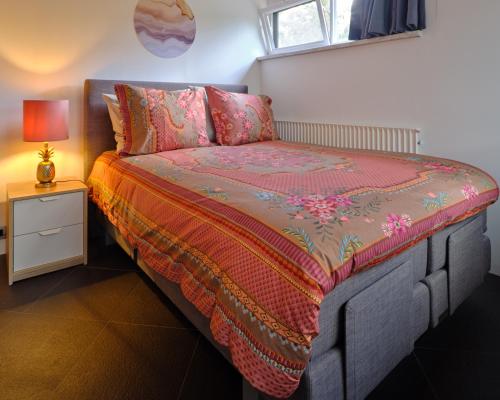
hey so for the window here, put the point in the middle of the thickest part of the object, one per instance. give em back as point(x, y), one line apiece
point(302, 24)
point(338, 16)
point(294, 25)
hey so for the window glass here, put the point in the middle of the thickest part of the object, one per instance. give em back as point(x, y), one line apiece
point(338, 18)
point(297, 25)
point(342, 20)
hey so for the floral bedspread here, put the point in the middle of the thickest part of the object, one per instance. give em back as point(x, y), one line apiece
point(257, 235)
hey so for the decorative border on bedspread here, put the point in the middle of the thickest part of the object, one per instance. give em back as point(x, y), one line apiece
point(260, 365)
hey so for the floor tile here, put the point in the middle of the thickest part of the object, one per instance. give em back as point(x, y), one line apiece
point(475, 326)
point(86, 293)
point(6, 318)
point(23, 293)
point(131, 362)
point(407, 382)
point(211, 376)
point(146, 304)
point(36, 352)
point(492, 282)
point(462, 375)
point(101, 256)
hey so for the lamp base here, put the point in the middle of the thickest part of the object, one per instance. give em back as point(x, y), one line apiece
point(46, 171)
point(45, 185)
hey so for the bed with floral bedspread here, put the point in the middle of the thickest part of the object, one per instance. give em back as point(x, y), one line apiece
point(257, 235)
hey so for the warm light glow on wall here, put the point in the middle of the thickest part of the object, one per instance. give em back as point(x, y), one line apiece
point(26, 163)
point(22, 166)
point(40, 39)
point(19, 166)
point(35, 54)
point(24, 58)
point(20, 161)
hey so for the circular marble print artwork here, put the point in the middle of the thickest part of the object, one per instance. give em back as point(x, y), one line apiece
point(166, 28)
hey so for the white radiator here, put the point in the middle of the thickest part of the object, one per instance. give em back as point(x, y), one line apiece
point(351, 136)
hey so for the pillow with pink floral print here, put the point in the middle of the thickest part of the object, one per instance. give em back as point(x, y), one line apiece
point(159, 120)
point(241, 118)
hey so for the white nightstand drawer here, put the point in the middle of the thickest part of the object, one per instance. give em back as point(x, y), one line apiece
point(47, 246)
point(44, 213)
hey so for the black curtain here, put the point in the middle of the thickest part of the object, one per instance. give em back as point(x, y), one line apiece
point(371, 18)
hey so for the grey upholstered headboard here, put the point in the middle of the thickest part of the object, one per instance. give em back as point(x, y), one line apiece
point(97, 131)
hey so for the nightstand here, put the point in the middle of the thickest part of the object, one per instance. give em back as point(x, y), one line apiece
point(47, 228)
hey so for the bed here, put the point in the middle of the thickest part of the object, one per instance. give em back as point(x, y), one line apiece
point(350, 332)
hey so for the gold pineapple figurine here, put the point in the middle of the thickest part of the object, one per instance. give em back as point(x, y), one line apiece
point(46, 170)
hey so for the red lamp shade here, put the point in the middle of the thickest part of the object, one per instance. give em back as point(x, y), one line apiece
point(45, 120)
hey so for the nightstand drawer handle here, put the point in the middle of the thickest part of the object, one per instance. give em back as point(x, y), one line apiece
point(51, 232)
point(47, 199)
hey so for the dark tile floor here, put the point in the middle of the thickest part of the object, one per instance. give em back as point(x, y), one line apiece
point(105, 332)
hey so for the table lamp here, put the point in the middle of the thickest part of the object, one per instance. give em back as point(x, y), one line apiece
point(44, 121)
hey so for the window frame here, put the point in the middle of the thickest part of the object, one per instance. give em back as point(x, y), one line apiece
point(267, 14)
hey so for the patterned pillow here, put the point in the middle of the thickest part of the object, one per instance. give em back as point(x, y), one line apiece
point(210, 122)
point(241, 118)
point(115, 115)
point(159, 120)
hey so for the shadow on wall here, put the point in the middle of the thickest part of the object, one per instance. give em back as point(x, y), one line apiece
point(185, 68)
point(252, 74)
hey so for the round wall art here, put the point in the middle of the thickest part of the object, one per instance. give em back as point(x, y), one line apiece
point(166, 28)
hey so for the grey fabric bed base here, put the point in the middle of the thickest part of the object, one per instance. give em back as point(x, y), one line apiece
point(369, 323)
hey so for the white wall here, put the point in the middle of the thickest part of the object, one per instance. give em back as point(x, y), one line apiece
point(447, 83)
point(48, 48)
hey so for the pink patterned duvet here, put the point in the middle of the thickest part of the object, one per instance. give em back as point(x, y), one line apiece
point(257, 235)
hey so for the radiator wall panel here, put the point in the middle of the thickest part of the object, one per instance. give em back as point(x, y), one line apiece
point(401, 140)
